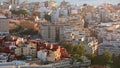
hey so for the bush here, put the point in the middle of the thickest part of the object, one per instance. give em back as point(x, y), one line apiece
point(47, 17)
point(28, 32)
point(18, 12)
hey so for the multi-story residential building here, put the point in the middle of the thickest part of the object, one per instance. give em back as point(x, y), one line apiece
point(4, 25)
point(18, 51)
point(64, 12)
point(64, 4)
point(112, 47)
point(54, 15)
point(48, 32)
point(108, 31)
point(52, 32)
point(92, 46)
point(26, 51)
point(74, 34)
point(14, 2)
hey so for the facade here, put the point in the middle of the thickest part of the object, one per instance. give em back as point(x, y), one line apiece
point(108, 31)
point(14, 2)
point(18, 51)
point(42, 55)
point(3, 57)
point(25, 51)
point(51, 57)
point(54, 15)
point(4, 25)
point(55, 32)
point(33, 52)
point(92, 46)
point(74, 34)
point(64, 12)
point(52, 32)
point(112, 47)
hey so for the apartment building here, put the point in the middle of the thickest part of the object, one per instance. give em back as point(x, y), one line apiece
point(4, 25)
point(112, 47)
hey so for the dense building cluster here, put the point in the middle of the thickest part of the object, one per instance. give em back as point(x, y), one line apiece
point(95, 27)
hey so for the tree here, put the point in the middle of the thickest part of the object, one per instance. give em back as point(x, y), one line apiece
point(18, 12)
point(15, 30)
point(98, 60)
point(69, 47)
point(77, 56)
point(90, 56)
point(107, 57)
point(21, 11)
point(76, 50)
point(116, 62)
point(47, 17)
point(104, 59)
point(79, 49)
point(29, 31)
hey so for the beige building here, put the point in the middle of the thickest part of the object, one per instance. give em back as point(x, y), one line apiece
point(55, 32)
point(18, 51)
point(33, 52)
point(25, 51)
point(52, 32)
point(4, 25)
point(28, 51)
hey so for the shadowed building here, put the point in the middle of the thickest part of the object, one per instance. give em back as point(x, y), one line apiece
point(4, 25)
point(14, 2)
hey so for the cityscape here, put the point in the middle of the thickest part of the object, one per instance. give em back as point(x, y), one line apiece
point(59, 34)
